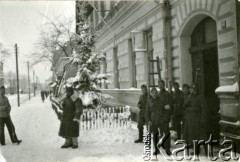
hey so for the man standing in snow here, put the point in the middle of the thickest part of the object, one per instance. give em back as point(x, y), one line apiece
point(42, 95)
point(142, 117)
point(166, 102)
point(178, 100)
point(5, 118)
point(72, 110)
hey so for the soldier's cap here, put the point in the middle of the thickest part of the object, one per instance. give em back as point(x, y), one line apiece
point(143, 86)
point(194, 86)
point(175, 84)
point(186, 85)
point(161, 82)
point(2, 87)
point(153, 89)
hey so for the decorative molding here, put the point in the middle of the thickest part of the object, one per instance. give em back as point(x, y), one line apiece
point(226, 59)
point(226, 45)
point(225, 15)
point(226, 74)
point(226, 30)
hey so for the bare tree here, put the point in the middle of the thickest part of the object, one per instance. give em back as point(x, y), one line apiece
point(56, 36)
point(57, 39)
point(4, 52)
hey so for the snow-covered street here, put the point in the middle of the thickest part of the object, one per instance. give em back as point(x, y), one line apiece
point(37, 125)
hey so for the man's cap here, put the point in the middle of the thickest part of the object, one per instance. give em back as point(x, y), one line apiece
point(161, 82)
point(143, 86)
point(194, 86)
point(2, 87)
point(186, 85)
point(175, 84)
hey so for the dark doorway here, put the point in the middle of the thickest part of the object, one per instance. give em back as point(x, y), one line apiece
point(211, 82)
point(205, 70)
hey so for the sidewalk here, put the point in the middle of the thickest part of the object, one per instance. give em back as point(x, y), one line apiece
point(37, 125)
point(23, 98)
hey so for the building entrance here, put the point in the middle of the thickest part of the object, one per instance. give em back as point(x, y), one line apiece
point(205, 70)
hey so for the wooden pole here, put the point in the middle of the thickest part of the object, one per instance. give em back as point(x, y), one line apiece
point(29, 92)
point(18, 97)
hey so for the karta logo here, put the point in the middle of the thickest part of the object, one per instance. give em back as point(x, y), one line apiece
point(223, 154)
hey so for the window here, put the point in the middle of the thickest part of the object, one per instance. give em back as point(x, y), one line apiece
point(115, 64)
point(132, 64)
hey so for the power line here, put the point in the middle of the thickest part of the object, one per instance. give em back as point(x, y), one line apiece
point(8, 32)
point(5, 34)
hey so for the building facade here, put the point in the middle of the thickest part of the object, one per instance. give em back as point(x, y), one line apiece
point(197, 41)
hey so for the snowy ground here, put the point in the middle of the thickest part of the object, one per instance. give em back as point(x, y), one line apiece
point(13, 99)
point(37, 125)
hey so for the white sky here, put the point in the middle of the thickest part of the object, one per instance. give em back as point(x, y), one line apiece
point(20, 22)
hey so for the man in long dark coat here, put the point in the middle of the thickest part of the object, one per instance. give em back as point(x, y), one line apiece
point(142, 117)
point(195, 117)
point(178, 99)
point(72, 110)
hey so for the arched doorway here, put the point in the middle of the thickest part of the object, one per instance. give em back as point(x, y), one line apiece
point(199, 57)
point(205, 73)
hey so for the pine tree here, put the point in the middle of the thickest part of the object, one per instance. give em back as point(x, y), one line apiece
point(88, 61)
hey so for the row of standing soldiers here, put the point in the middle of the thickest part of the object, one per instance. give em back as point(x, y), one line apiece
point(186, 110)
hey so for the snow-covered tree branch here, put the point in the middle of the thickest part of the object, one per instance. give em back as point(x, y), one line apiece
point(87, 80)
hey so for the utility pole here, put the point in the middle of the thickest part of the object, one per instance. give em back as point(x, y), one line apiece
point(18, 97)
point(36, 81)
point(34, 84)
point(29, 93)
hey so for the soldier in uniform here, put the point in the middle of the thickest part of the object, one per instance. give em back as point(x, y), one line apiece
point(166, 102)
point(186, 100)
point(5, 119)
point(158, 115)
point(178, 99)
point(195, 117)
point(154, 115)
point(142, 117)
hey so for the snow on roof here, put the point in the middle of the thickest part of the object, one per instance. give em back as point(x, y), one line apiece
point(228, 89)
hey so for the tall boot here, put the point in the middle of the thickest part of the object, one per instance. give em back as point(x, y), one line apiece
point(14, 139)
point(74, 142)
point(68, 143)
point(140, 136)
point(155, 142)
point(2, 136)
point(12, 133)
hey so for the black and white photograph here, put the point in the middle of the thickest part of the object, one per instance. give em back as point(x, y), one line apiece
point(119, 81)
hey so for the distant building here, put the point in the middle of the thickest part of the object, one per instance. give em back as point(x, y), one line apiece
point(59, 58)
point(197, 41)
